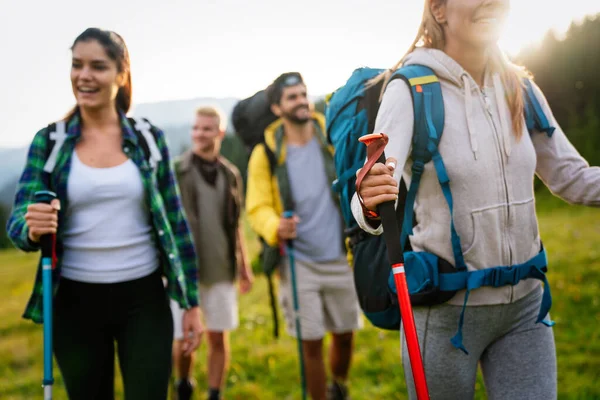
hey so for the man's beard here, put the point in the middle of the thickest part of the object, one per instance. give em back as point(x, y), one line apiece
point(291, 116)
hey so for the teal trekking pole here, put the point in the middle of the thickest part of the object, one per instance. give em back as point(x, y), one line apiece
point(47, 245)
point(290, 253)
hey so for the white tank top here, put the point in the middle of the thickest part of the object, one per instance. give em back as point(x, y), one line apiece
point(107, 234)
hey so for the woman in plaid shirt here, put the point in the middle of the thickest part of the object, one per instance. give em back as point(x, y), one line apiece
point(119, 227)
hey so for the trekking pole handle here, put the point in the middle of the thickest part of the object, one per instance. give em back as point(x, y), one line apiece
point(287, 215)
point(376, 143)
point(46, 197)
point(388, 220)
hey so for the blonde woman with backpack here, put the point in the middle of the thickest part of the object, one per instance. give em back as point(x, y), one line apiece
point(490, 159)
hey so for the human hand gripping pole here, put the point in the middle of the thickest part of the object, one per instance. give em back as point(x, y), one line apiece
point(47, 243)
point(290, 253)
point(376, 143)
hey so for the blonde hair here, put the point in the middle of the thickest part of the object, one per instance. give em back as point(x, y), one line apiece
point(431, 35)
point(210, 111)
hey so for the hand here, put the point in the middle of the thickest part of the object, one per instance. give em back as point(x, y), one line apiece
point(379, 185)
point(246, 280)
point(287, 228)
point(192, 330)
point(42, 219)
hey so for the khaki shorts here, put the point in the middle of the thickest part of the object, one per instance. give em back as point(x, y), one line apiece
point(326, 298)
point(218, 303)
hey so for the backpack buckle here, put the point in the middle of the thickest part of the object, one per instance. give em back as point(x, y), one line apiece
point(503, 276)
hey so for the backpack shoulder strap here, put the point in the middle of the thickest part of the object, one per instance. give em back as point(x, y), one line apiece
point(428, 106)
point(533, 112)
point(147, 138)
point(429, 118)
point(57, 133)
point(272, 299)
point(280, 171)
point(270, 157)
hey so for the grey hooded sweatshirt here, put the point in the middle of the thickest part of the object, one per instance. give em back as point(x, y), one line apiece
point(491, 175)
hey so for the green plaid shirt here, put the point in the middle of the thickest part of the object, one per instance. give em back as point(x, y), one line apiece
point(171, 231)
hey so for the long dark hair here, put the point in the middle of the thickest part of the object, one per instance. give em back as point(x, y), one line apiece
point(115, 48)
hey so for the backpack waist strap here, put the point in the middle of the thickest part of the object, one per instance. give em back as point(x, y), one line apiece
point(535, 268)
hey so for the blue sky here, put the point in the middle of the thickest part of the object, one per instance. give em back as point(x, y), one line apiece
point(187, 49)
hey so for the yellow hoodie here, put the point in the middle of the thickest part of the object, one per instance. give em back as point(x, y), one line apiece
point(263, 201)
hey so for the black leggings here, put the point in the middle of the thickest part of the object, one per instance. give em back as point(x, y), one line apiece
point(89, 318)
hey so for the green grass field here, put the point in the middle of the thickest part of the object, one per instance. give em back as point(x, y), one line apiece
point(263, 368)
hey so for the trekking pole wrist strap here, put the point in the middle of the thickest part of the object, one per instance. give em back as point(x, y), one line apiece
point(374, 152)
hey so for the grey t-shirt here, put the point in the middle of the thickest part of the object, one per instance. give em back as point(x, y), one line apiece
point(320, 228)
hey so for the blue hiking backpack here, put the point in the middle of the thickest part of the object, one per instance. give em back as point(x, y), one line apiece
point(350, 114)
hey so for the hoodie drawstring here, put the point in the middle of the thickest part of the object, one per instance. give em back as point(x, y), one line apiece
point(469, 110)
point(503, 112)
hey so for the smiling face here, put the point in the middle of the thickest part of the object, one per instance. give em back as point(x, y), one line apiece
point(95, 77)
point(294, 105)
point(471, 23)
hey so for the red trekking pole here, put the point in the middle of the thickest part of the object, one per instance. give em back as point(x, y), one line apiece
point(376, 143)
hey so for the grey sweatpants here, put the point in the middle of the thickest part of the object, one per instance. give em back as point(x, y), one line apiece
point(517, 356)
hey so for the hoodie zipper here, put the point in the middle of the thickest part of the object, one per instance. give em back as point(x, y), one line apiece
point(503, 169)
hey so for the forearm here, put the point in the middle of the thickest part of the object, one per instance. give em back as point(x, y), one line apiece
point(182, 237)
point(243, 264)
point(265, 221)
point(192, 291)
point(31, 181)
point(361, 219)
point(18, 232)
point(560, 166)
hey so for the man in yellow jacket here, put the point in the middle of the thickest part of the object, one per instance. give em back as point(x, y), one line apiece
point(292, 171)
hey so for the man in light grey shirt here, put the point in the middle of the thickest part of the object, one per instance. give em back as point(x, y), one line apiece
point(301, 182)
